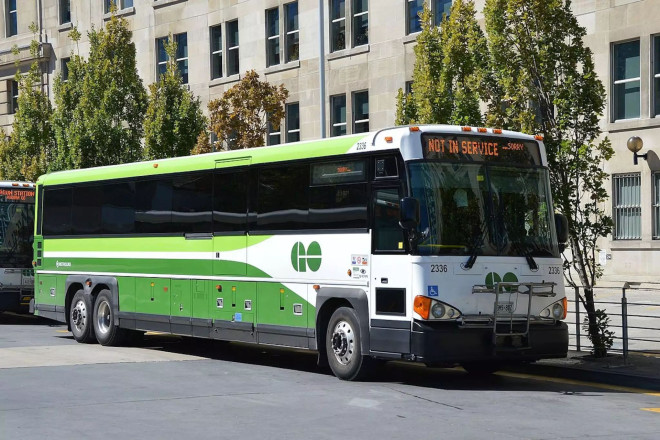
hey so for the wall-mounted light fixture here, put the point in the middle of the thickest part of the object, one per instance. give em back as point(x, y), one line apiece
point(635, 143)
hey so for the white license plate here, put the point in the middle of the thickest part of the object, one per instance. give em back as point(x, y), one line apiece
point(505, 308)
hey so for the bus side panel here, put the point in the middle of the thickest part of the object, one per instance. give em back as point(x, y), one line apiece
point(282, 314)
point(126, 294)
point(47, 291)
point(153, 296)
point(233, 301)
point(201, 292)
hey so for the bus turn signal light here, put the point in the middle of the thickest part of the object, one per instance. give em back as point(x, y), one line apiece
point(422, 306)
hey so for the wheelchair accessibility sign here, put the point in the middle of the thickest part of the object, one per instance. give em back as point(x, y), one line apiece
point(432, 290)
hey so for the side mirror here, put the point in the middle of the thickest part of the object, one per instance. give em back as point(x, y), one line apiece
point(561, 225)
point(409, 213)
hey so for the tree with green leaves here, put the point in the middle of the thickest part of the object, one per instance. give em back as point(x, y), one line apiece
point(26, 153)
point(239, 118)
point(174, 117)
point(101, 109)
point(546, 83)
point(450, 70)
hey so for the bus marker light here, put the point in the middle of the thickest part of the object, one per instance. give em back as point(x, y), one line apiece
point(422, 306)
point(466, 128)
point(414, 128)
point(155, 165)
point(388, 139)
point(26, 185)
point(497, 130)
point(218, 288)
point(538, 137)
point(233, 288)
point(349, 272)
point(282, 291)
point(482, 130)
point(89, 283)
point(153, 284)
point(164, 289)
point(316, 287)
point(14, 184)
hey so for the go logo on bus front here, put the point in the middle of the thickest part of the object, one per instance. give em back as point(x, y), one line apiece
point(302, 258)
point(493, 277)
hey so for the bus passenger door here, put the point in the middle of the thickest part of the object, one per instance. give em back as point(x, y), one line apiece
point(390, 275)
point(230, 186)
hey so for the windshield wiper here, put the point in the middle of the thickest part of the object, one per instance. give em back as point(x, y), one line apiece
point(479, 239)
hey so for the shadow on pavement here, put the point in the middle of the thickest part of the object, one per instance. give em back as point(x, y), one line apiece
point(9, 318)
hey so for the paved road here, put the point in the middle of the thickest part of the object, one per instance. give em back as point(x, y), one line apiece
point(167, 388)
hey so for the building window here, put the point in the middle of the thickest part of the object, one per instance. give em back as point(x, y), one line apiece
point(360, 22)
point(65, 11)
point(360, 112)
point(338, 25)
point(656, 206)
point(292, 42)
point(181, 41)
point(274, 136)
point(216, 52)
point(415, 7)
point(65, 68)
point(358, 27)
point(273, 35)
point(232, 48)
point(292, 121)
point(338, 115)
point(12, 89)
point(626, 81)
point(413, 20)
point(12, 19)
point(121, 4)
point(627, 206)
point(656, 75)
point(408, 87)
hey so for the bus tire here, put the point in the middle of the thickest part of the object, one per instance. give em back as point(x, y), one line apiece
point(343, 345)
point(107, 333)
point(80, 318)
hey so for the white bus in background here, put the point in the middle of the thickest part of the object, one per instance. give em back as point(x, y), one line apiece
point(16, 237)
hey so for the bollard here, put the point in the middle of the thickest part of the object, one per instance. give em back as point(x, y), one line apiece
point(624, 323)
point(577, 317)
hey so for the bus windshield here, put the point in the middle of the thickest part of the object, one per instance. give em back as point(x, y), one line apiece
point(483, 209)
point(16, 229)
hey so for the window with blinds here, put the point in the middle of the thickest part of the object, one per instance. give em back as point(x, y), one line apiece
point(627, 208)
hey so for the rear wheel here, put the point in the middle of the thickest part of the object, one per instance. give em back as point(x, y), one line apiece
point(343, 345)
point(80, 317)
point(107, 333)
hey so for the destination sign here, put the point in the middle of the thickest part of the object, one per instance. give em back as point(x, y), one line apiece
point(17, 195)
point(464, 148)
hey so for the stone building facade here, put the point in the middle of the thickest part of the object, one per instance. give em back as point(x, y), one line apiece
point(367, 56)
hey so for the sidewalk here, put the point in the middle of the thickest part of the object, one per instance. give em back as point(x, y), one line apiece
point(640, 371)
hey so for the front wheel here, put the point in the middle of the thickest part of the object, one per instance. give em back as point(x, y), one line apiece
point(107, 333)
point(80, 318)
point(343, 345)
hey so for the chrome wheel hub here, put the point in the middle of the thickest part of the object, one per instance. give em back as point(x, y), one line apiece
point(79, 315)
point(103, 318)
point(343, 342)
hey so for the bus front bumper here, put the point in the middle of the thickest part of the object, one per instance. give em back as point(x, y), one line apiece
point(448, 343)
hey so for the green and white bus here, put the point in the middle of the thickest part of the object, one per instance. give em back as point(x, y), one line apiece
point(16, 228)
point(435, 244)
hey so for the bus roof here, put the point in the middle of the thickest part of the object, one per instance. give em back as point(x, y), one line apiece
point(16, 184)
point(384, 139)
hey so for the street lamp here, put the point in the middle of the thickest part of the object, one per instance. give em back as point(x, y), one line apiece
point(635, 143)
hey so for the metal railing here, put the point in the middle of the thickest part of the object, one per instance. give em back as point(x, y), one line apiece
point(635, 323)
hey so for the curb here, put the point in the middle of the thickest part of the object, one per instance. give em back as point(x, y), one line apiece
point(610, 377)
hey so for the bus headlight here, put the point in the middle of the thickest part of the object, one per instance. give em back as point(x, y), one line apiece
point(433, 309)
point(556, 311)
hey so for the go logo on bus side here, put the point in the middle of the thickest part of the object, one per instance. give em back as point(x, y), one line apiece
point(302, 258)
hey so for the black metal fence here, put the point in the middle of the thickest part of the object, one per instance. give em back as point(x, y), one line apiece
point(634, 314)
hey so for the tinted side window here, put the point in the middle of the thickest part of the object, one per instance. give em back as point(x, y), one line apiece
point(283, 198)
point(387, 234)
point(339, 206)
point(230, 201)
point(191, 203)
point(86, 210)
point(153, 206)
point(118, 209)
point(57, 211)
